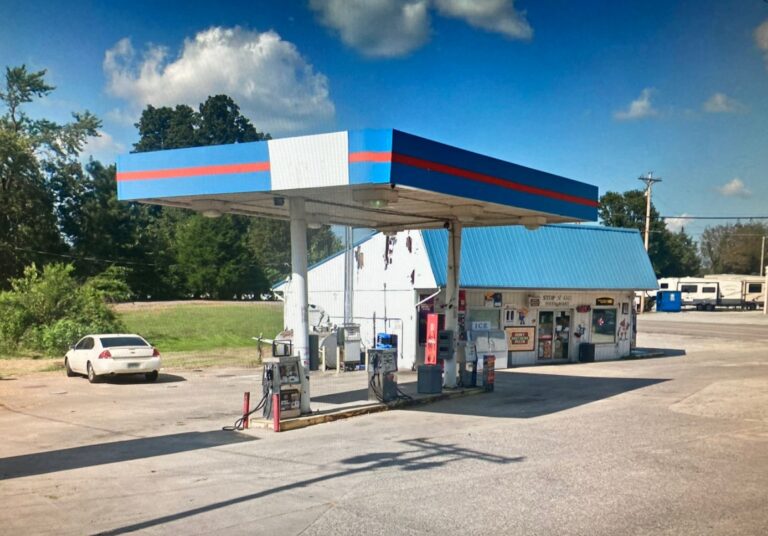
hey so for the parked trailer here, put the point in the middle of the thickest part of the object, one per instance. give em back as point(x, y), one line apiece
point(711, 291)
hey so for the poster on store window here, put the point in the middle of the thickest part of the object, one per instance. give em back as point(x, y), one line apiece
point(520, 339)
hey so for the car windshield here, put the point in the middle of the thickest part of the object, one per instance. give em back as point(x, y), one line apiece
point(111, 342)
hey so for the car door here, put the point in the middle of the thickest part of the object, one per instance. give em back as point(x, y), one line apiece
point(80, 354)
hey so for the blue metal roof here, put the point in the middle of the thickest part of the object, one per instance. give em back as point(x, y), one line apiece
point(551, 257)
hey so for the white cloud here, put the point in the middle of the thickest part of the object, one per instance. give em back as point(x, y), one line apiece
point(267, 77)
point(102, 147)
point(761, 38)
point(675, 225)
point(638, 108)
point(391, 28)
point(722, 103)
point(493, 15)
point(377, 28)
point(734, 188)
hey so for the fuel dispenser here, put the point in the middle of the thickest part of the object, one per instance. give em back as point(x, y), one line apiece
point(382, 380)
point(282, 377)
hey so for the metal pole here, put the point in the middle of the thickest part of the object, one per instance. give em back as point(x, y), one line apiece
point(452, 298)
point(765, 293)
point(648, 180)
point(300, 302)
point(762, 256)
point(348, 279)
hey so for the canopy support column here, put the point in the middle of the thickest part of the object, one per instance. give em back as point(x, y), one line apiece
point(299, 302)
point(452, 298)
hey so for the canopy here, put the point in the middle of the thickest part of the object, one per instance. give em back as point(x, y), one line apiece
point(383, 179)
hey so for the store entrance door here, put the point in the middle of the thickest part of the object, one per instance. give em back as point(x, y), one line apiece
point(554, 337)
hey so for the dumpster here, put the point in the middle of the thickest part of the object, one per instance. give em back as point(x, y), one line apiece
point(668, 301)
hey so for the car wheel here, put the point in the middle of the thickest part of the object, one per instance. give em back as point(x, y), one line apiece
point(70, 372)
point(151, 376)
point(92, 377)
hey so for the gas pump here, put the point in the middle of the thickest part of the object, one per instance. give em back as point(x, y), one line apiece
point(282, 377)
point(382, 381)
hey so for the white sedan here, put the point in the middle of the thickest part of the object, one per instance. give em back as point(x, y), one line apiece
point(106, 355)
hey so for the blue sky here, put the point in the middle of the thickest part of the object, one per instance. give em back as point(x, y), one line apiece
point(596, 91)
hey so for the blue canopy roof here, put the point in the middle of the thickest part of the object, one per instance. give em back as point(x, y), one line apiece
point(551, 257)
point(383, 179)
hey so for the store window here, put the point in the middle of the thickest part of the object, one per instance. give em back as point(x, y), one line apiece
point(603, 325)
point(489, 317)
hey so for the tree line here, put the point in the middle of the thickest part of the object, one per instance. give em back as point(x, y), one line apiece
point(56, 209)
point(729, 248)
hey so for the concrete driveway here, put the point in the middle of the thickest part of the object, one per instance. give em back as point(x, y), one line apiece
point(674, 445)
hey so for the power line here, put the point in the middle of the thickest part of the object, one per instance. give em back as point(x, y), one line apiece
point(91, 259)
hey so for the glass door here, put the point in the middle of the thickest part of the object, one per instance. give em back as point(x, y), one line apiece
point(562, 334)
point(554, 335)
point(545, 335)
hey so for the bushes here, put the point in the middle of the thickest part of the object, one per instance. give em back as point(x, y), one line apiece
point(48, 311)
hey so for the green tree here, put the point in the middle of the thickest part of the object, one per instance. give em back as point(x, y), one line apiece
point(234, 255)
point(733, 248)
point(47, 310)
point(30, 151)
point(671, 254)
point(214, 259)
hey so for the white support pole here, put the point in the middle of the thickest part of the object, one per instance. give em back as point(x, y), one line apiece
point(299, 296)
point(452, 298)
point(348, 276)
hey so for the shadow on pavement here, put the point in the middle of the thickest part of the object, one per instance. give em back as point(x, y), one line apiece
point(130, 379)
point(420, 454)
point(648, 353)
point(359, 395)
point(523, 395)
point(52, 461)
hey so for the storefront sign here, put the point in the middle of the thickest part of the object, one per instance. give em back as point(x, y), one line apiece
point(583, 308)
point(520, 339)
point(481, 325)
point(550, 300)
point(462, 301)
point(604, 301)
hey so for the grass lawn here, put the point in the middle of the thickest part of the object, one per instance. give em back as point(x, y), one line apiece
point(201, 326)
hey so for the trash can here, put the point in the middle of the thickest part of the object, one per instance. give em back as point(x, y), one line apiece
point(429, 380)
point(586, 352)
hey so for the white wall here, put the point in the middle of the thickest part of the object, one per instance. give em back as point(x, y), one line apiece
point(383, 291)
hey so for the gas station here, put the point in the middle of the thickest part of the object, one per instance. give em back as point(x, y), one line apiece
point(384, 179)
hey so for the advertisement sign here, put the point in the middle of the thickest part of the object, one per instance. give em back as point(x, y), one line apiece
point(430, 355)
point(550, 300)
point(604, 301)
point(520, 339)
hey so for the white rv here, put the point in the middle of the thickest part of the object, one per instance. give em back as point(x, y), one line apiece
point(708, 292)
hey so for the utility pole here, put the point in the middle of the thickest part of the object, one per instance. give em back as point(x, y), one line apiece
point(649, 180)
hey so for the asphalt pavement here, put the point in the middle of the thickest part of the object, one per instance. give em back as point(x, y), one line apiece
point(670, 445)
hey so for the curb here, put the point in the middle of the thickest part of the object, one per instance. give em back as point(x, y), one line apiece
point(346, 413)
